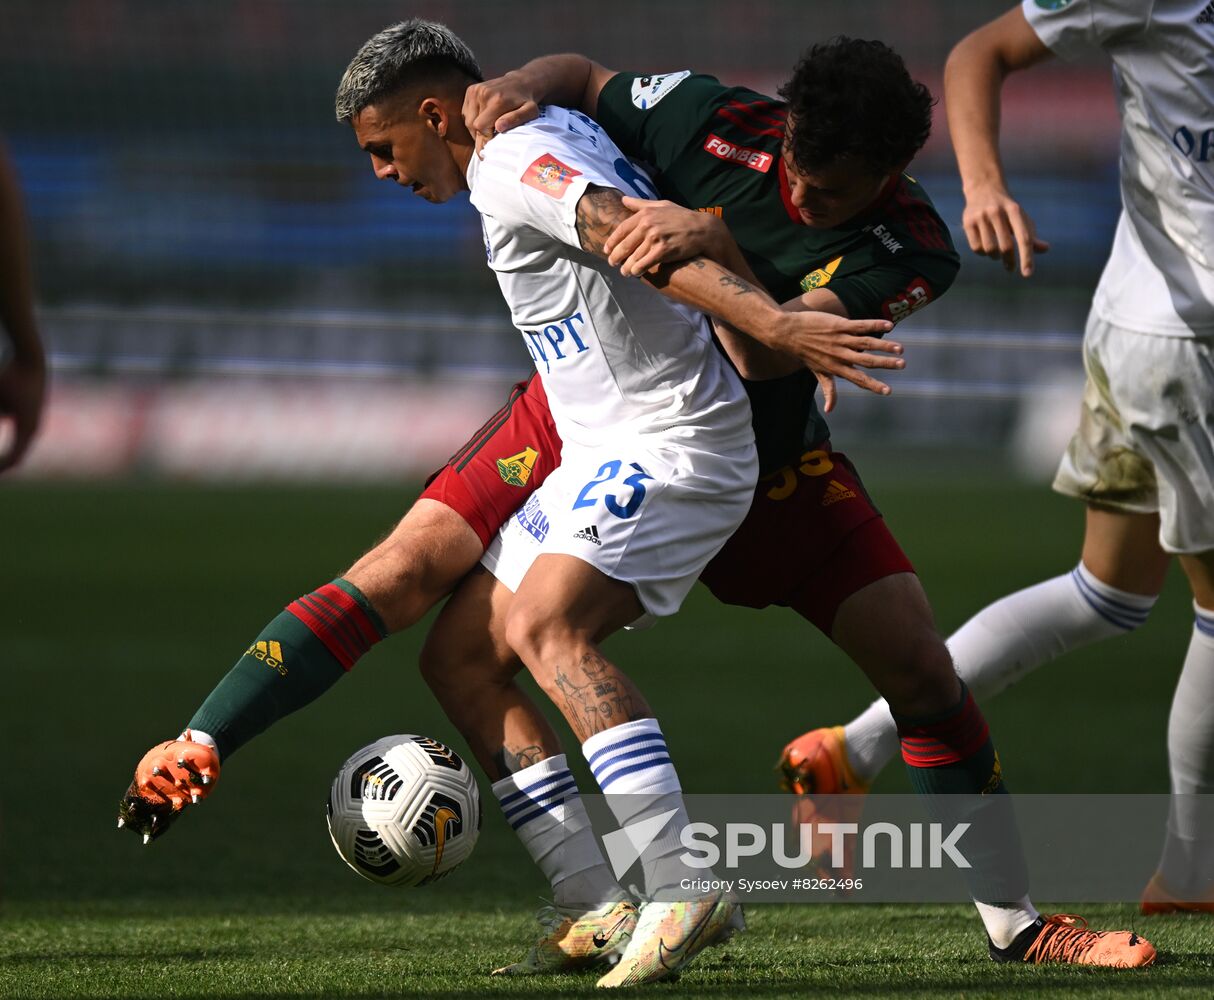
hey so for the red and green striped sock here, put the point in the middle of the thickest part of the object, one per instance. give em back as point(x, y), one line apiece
point(951, 761)
point(296, 658)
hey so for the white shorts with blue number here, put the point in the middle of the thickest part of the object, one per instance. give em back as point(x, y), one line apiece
point(648, 514)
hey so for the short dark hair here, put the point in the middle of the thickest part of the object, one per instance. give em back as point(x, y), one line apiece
point(403, 54)
point(852, 99)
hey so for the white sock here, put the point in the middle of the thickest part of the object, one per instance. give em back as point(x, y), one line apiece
point(1003, 923)
point(1187, 864)
point(633, 767)
point(1005, 641)
point(542, 805)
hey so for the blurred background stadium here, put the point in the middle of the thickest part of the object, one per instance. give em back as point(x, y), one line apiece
point(227, 292)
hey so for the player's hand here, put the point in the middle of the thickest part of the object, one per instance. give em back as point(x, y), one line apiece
point(170, 777)
point(832, 346)
point(22, 391)
point(660, 232)
point(498, 105)
point(997, 227)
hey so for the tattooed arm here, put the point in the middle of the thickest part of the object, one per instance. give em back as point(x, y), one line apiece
point(825, 343)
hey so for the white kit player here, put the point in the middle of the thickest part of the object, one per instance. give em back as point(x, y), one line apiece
point(1143, 456)
point(657, 470)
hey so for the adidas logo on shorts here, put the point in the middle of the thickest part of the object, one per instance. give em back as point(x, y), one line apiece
point(590, 534)
point(1207, 15)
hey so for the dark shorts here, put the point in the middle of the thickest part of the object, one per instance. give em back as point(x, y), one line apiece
point(502, 464)
point(811, 540)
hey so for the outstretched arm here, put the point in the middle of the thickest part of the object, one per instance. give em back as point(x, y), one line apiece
point(823, 342)
point(995, 224)
point(498, 105)
point(23, 377)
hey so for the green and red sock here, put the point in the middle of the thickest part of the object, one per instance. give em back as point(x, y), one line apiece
point(298, 656)
point(951, 760)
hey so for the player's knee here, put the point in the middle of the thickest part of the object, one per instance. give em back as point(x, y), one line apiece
point(923, 680)
point(525, 632)
point(539, 638)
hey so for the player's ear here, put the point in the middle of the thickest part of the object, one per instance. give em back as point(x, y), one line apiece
point(434, 114)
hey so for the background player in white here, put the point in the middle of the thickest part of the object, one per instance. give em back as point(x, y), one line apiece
point(1143, 456)
point(658, 462)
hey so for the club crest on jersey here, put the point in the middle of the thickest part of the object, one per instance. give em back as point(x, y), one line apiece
point(756, 159)
point(550, 175)
point(532, 519)
point(516, 470)
point(820, 277)
point(648, 90)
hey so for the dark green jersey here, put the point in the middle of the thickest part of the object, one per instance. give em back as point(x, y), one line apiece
point(718, 149)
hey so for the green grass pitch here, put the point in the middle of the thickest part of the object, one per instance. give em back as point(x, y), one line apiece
point(123, 604)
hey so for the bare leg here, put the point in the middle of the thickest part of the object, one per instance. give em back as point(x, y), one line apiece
point(472, 673)
point(1122, 550)
point(563, 608)
point(418, 564)
point(887, 629)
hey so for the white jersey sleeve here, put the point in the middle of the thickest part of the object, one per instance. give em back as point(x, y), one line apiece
point(616, 357)
point(1072, 28)
point(538, 183)
point(1160, 275)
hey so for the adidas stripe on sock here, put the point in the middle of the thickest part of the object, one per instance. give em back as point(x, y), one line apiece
point(1007, 640)
point(542, 805)
point(633, 767)
point(1118, 607)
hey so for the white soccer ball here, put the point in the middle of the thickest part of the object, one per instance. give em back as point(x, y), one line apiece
point(404, 810)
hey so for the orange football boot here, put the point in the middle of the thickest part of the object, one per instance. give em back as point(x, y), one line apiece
point(815, 765)
point(170, 777)
point(1065, 939)
point(1157, 898)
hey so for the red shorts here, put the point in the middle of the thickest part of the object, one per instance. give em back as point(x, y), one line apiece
point(811, 540)
point(503, 463)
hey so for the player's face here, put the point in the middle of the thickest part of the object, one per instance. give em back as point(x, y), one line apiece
point(829, 197)
point(407, 147)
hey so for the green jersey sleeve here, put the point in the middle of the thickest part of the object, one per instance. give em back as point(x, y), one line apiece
point(655, 117)
point(893, 291)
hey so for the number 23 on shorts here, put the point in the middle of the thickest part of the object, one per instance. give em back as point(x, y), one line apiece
point(607, 472)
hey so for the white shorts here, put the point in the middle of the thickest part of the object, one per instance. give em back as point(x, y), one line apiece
point(1145, 441)
point(650, 516)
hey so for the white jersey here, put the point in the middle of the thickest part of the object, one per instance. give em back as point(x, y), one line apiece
point(616, 358)
point(1160, 275)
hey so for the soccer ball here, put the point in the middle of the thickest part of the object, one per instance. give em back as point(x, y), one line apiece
point(404, 810)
